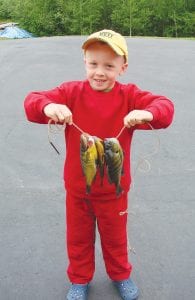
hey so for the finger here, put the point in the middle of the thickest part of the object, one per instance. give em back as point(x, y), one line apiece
point(144, 121)
point(132, 122)
point(126, 123)
point(69, 120)
point(60, 117)
point(129, 124)
point(55, 118)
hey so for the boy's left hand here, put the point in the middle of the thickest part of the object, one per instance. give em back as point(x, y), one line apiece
point(137, 117)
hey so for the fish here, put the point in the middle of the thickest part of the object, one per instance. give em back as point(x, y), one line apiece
point(101, 157)
point(89, 159)
point(114, 158)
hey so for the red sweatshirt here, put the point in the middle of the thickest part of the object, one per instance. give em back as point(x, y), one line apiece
point(99, 114)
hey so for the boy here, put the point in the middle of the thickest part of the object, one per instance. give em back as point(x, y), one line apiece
point(101, 106)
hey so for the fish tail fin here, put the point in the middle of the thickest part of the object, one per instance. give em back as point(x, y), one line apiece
point(119, 190)
point(102, 175)
point(88, 189)
point(122, 171)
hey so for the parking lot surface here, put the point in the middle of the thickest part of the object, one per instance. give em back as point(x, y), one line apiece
point(161, 222)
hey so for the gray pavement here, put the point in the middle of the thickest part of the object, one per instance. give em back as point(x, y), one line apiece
point(161, 226)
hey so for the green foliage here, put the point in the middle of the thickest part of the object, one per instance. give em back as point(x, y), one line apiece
point(171, 18)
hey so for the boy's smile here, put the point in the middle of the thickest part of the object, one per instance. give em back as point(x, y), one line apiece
point(103, 66)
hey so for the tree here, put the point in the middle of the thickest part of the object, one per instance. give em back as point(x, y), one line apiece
point(130, 17)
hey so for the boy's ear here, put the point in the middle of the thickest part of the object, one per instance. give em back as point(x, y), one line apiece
point(123, 68)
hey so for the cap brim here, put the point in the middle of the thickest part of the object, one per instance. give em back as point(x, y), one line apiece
point(116, 49)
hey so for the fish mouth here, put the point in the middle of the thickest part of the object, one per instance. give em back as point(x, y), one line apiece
point(111, 140)
point(110, 143)
point(86, 141)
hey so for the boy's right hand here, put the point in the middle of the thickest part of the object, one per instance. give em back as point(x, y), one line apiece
point(58, 113)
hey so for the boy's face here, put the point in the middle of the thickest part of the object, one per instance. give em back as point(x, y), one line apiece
point(103, 66)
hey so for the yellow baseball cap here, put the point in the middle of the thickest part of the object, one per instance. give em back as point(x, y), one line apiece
point(115, 40)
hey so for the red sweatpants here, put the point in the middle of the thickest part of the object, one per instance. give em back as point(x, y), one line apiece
point(81, 217)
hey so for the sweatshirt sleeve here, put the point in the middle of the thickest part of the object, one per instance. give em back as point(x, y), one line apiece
point(161, 107)
point(35, 102)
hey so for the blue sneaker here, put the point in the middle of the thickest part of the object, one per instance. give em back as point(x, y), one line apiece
point(127, 289)
point(78, 292)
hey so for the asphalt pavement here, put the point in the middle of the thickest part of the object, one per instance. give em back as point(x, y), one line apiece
point(161, 224)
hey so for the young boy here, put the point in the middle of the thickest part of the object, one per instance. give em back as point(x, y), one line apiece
point(100, 106)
